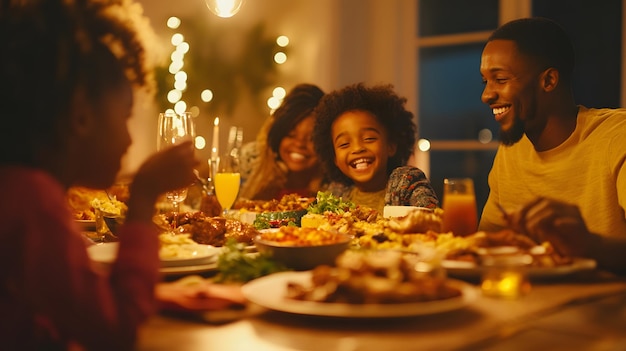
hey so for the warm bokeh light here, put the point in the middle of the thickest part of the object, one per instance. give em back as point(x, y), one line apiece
point(485, 136)
point(206, 95)
point(282, 41)
point(180, 107)
point(173, 22)
point(280, 57)
point(176, 66)
point(423, 145)
point(180, 85)
point(177, 38)
point(195, 111)
point(180, 76)
point(224, 8)
point(273, 102)
point(279, 92)
point(183, 47)
point(200, 142)
point(177, 56)
point(173, 96)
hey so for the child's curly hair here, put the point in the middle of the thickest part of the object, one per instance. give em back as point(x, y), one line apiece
point(379, 100)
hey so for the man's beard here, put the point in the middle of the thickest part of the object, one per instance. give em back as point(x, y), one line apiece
point(513, 135)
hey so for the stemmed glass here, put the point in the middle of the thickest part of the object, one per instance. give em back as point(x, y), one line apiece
point(175, 128)
point(227, 180)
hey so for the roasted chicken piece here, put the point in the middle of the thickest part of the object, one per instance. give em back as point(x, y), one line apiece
point(213, 230)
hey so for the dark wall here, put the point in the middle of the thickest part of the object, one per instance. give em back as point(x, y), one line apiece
point(596, 31)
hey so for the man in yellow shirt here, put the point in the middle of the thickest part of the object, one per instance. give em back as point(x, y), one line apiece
point(560, 170)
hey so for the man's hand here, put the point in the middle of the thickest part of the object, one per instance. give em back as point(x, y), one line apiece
point(559, 223)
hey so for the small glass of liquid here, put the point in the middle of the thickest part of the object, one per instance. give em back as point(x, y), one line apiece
point(506, 276)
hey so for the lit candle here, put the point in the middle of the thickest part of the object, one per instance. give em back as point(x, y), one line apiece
point(216, 139)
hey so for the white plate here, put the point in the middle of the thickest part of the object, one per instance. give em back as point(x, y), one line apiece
point(195, 254)
point(270, 291)
point(461, 269)
point(400, 211)
point(195, 269)
point(107, 252)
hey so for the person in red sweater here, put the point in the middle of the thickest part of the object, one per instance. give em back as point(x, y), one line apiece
point(68, 71)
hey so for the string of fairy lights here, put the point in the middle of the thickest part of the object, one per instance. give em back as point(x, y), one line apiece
point(175, 95)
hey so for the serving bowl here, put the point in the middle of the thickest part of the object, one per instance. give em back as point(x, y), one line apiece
point(302, 254)
point(113, 223)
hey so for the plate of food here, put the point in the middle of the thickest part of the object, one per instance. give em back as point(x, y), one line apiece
point(180, 250)
point(174, 252)
point(105, 254)
point(189, 255)
point(289, 209)
point(206, 230)
point(472, 270)
point(271, 292)
point(544, 261)
point(363, 284)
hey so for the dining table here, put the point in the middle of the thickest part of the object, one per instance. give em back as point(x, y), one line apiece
point(584, 310)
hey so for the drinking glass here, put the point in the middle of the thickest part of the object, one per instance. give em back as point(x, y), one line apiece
point(173, 129)
point(459, 207)
point(506, 275)
point(227, 180)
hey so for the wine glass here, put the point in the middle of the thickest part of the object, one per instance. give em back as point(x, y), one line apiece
point(227, 180)
point(175, 128)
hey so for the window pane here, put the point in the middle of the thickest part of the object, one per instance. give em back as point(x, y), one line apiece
point(438, 17)
point(450, 87)
point(450, 108)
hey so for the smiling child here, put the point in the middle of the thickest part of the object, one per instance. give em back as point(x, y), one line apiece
point(364, 137)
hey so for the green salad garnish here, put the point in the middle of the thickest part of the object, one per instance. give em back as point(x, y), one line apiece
point(327, 202)
point(267, 220)
point(235, 265)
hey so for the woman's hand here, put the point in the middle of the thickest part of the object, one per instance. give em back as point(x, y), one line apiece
point(166, 170)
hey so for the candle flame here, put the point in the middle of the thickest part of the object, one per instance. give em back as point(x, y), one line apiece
point(216, 121)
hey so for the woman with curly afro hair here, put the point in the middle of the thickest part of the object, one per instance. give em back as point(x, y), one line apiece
point(364, 137)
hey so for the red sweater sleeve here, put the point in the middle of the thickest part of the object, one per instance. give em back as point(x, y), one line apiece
point(48, 278)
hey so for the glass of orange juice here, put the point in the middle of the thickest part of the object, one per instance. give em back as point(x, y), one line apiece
point(227, 181)
point(459, 207)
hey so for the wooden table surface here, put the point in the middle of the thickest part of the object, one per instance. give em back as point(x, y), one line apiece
point(586, 311)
